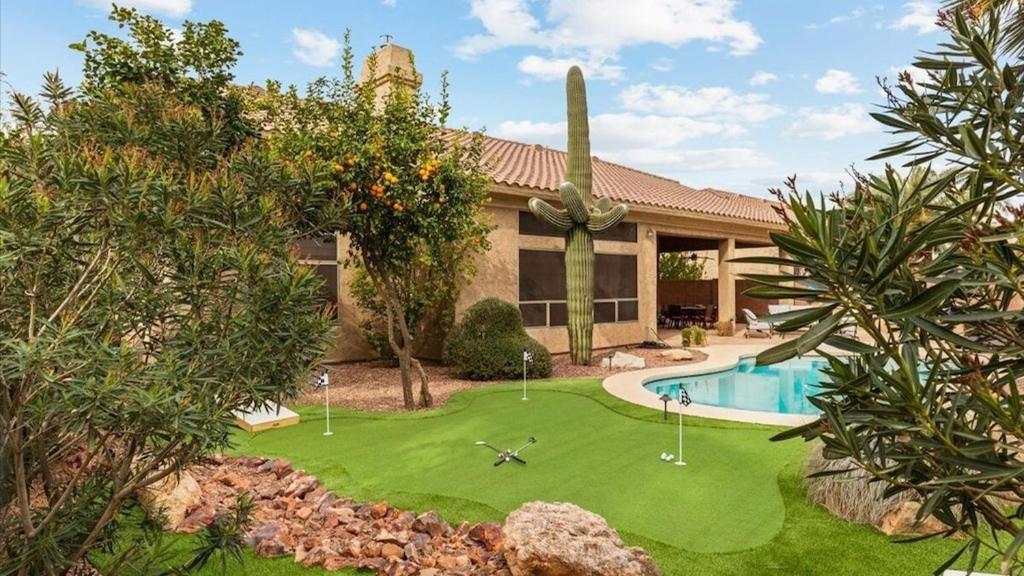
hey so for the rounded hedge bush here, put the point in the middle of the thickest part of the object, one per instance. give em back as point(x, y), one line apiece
point(488, 344)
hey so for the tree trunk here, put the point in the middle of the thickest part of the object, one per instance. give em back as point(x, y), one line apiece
point(396, 317)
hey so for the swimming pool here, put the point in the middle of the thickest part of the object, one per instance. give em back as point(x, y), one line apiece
point(781, 388)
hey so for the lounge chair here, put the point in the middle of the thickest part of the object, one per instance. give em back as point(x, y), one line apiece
point(755, 325)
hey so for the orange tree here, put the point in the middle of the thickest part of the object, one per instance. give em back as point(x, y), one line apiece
point(415, 192)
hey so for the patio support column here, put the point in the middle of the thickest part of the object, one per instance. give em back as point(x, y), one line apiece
point(726, 286)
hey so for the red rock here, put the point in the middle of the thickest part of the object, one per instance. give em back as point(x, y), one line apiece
point(488, 534)
point(281, 468)
point(371, 549)
point(200, 518)
point(379, 510)
point(446, 562)
point(354, 548)
point(335, 562)
point(271, 540)
point(304, 513)
point(429, 523)
point(371, 563)
point(389, 550)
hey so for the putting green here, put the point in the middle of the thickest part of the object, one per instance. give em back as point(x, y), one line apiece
point(590, 451)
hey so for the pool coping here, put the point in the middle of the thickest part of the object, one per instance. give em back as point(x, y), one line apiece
point(629, 386)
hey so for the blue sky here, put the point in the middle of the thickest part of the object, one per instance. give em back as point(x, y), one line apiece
point(730, 94)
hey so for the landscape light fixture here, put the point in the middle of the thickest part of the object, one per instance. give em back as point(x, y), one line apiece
point(508, 454)
point(665, 398)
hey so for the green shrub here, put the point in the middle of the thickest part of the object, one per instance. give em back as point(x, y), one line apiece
point(488, 344)
point(694, 336)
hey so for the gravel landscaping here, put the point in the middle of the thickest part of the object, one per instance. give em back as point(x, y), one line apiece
point(376, 387)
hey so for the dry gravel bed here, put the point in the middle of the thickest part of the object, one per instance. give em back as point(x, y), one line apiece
point(374, 386)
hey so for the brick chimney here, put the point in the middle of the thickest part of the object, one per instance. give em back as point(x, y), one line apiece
point(394, 67)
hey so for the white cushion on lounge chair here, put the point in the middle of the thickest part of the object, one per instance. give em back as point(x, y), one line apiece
point(753, 323)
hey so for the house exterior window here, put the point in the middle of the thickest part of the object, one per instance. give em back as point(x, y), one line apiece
point(542, 288)
point(529, 225)
point(321, 254)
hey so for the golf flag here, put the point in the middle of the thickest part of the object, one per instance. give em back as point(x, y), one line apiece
point(684, 398)
point(322, 381)
point(527, 357)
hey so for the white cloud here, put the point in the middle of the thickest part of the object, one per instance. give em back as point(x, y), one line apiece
point(662, 65)
point(718, 103)
point(693, 160)
point(919, 16)
point(855, 14)
point(598, 32)
point(555, 68)
point(617, 132)
point(832, 123)
point(761, 78)
point(173, 8)
point(314, 47)
point(390, 3)
point(837, 82)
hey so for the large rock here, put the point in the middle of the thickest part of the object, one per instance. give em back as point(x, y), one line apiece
point(677, 355)
point(560, 539)
point(622, 360)
point(902, 520)
point(173, 497)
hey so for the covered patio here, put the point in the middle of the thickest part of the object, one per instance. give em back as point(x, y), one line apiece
point(718, 296)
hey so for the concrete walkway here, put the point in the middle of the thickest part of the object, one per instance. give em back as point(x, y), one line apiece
point(629, 386)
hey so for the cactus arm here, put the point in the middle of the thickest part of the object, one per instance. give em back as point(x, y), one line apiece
point(604, 203)
point(574, 203)
point(548, 214)
point(607, 219)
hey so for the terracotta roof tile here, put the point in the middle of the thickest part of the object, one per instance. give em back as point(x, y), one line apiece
point(535, 166)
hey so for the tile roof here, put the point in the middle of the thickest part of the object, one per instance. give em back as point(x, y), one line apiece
point(539, 167)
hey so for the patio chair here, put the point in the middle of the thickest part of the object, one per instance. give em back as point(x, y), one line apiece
point(755, 325)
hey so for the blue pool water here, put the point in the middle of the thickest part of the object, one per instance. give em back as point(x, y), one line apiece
point(782, 387)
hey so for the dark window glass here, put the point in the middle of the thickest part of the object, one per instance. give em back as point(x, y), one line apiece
point(329, 290)
point(604, 312)
point(541, 275)
point(615, 276)
point(623, 232)
point(628, 310)
point(529, 225)
point(318, 248)
point(534, 314)
point(559, 314)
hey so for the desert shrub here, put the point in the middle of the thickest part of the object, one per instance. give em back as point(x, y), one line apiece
point(848, 492)
point(488, 344)
point(694, 336)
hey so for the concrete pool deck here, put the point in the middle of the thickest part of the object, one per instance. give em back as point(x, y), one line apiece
point(629, 386)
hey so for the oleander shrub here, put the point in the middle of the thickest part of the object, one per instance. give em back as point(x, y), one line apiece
point(488, 344)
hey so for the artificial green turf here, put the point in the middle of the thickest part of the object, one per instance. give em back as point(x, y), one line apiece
point(737, 508)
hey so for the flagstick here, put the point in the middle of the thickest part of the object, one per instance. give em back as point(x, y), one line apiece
point(680, 462)
point(524, 378)
point(526, 358)
point(327, 403)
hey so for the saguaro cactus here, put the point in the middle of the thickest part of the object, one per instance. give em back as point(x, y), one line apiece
point(579, 220)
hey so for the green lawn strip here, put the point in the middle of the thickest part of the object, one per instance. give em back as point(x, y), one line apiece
point(737, 508)
point(586, 454)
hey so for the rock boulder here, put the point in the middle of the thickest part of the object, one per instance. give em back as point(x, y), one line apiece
point(621, 360)
point(174, 496)
point(561, 539)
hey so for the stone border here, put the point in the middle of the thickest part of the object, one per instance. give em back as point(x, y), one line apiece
point(629, 386)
